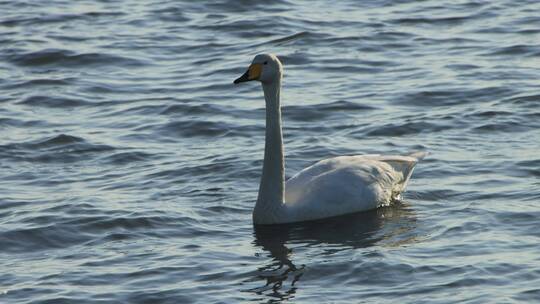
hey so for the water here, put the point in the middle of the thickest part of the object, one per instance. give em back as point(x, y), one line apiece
point(129, 163)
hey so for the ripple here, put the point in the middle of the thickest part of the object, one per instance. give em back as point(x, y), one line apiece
point(194, 128)
point(532, 100)
point(409, 128)
point(530, 167)
point(67, 58)
point(13, 122)
point(436, 98)
point(29, 84)
point(53, 102)
point(293, 37)
point(60, 148)
point(521, 50)
point(323, 111)
point(41, 238)
point(193, 109)
point(59, 140)
point(444, 21)
point(66, 232)
point(56, 18)
point(171, 14)
point(124, 158)
point(489, 114)
point(499, 127)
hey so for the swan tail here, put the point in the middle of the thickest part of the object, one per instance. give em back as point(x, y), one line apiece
point(405, 166)
point(407, 173)
point(419, 155)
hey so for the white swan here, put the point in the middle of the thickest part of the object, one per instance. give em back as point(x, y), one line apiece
point(331, 187)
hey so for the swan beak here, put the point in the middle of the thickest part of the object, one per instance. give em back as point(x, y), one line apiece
point(253, 73)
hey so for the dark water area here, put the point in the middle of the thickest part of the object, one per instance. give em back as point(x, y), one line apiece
point(130, 163)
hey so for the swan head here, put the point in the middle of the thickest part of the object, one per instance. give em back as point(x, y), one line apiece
point(265, 68)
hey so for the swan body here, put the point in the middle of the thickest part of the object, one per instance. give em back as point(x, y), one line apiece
point(331, 187)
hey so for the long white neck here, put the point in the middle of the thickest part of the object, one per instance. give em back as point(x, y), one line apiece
point(272, 187)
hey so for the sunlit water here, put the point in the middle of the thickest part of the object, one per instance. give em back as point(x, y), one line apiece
point(129, 163)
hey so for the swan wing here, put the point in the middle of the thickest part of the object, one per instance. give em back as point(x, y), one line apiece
point(348, 184)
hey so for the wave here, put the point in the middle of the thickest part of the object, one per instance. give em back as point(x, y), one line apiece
point(56, 18)
point(516, 50)
point(61, 148)
point(53, 102)
point(457, 96)
point(67, 58)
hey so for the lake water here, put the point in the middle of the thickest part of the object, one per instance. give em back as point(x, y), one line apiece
point(130, 163)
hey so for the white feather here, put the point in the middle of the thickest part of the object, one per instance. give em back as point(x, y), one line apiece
point(331, 187)
point(347, 184)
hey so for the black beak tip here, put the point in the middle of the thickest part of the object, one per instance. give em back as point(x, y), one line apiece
point(242, 78)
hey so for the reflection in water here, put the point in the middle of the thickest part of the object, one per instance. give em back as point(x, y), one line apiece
point(388, 226)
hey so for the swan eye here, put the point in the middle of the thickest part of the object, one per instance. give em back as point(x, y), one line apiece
point(266, 62)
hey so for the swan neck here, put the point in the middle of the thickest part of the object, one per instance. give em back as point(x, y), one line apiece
point(272, 186)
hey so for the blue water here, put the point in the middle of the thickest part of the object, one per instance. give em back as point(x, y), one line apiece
point(129, 162)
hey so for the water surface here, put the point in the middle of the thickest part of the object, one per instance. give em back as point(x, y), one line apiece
point(129, 162)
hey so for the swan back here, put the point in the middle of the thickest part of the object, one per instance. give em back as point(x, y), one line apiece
point(348, 184)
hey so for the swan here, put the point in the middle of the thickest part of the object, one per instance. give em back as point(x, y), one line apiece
point(329, 188)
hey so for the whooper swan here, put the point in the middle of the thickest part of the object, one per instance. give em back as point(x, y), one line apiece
point(331, 187)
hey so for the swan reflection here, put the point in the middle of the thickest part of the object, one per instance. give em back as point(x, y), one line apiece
point(388, 226)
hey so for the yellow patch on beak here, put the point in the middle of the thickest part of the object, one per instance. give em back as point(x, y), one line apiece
point(254, 71)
